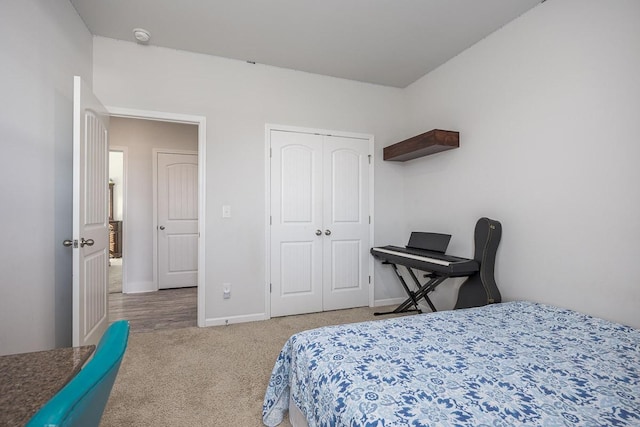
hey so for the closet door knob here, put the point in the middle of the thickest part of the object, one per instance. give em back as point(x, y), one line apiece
point(318, 232)
point(327, 232)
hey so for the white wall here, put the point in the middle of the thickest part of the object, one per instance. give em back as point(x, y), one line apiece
point(549, 113)
point(141, 137)
point(43, 44)
point(238, 99)
point(547, 107)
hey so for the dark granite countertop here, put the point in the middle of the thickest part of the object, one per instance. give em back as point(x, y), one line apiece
point(29, 380)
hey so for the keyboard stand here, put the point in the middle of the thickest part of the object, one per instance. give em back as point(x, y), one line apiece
point(414, 297)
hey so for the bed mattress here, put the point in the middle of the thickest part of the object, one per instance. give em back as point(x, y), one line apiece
point(515, 363)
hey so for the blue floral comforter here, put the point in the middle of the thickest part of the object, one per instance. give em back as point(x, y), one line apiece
point(507, 364)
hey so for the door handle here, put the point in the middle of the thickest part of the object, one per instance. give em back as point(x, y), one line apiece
point(67, 243)
point(327, 232)
point(161, 227)
point(88, 242)
point(318, 232)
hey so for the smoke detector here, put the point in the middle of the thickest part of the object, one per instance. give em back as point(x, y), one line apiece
point(142, 36)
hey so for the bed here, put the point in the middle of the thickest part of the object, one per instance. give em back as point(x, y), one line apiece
point(515, 363)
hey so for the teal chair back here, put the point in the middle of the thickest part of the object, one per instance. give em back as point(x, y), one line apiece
point(82, 401)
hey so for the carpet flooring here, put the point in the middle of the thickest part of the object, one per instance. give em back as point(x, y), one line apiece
point(214, 376)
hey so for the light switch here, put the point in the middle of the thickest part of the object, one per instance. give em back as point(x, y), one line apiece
point(226, 211)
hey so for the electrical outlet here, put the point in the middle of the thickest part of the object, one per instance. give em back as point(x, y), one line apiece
point(226, 211)
point(226, 290)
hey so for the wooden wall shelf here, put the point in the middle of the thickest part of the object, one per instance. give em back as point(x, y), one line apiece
point(431, 142)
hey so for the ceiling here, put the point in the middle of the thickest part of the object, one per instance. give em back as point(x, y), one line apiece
point(386, 42)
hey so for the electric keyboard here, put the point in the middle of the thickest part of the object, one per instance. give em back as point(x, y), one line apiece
point(426, 252)
point(426, 260)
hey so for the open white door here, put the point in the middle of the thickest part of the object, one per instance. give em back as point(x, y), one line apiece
point(90, 216)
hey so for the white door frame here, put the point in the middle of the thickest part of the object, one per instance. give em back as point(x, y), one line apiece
point(124, 246)
point(200, 121)
point(267, 192)
point(154, 166)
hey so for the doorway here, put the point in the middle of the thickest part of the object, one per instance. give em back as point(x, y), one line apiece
point(133, 247)
point(117, 159)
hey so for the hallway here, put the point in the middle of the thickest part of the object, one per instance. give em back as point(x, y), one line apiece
point(150, 311)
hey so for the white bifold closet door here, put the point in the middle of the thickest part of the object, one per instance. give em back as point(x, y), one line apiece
point(319, 222)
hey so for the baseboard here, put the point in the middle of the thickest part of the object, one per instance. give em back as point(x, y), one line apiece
point(388, 301)
point(138, 287)
point(221, 321)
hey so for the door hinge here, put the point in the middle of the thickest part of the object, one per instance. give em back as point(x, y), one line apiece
point(369, 279)
point(270, 152)
point(369, 158)
point(369, 219)
point(270, 288)
point(270, 220)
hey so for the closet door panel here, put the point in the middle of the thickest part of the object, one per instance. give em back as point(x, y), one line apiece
point(296, 215)
point(346, 218)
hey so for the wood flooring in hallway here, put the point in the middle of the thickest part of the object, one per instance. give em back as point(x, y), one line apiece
point(150, 311)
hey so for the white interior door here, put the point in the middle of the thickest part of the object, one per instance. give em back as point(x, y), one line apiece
point(319, 222)
point(296, 230)
point(177, 210)
point(346, 223)
point(90, 216)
